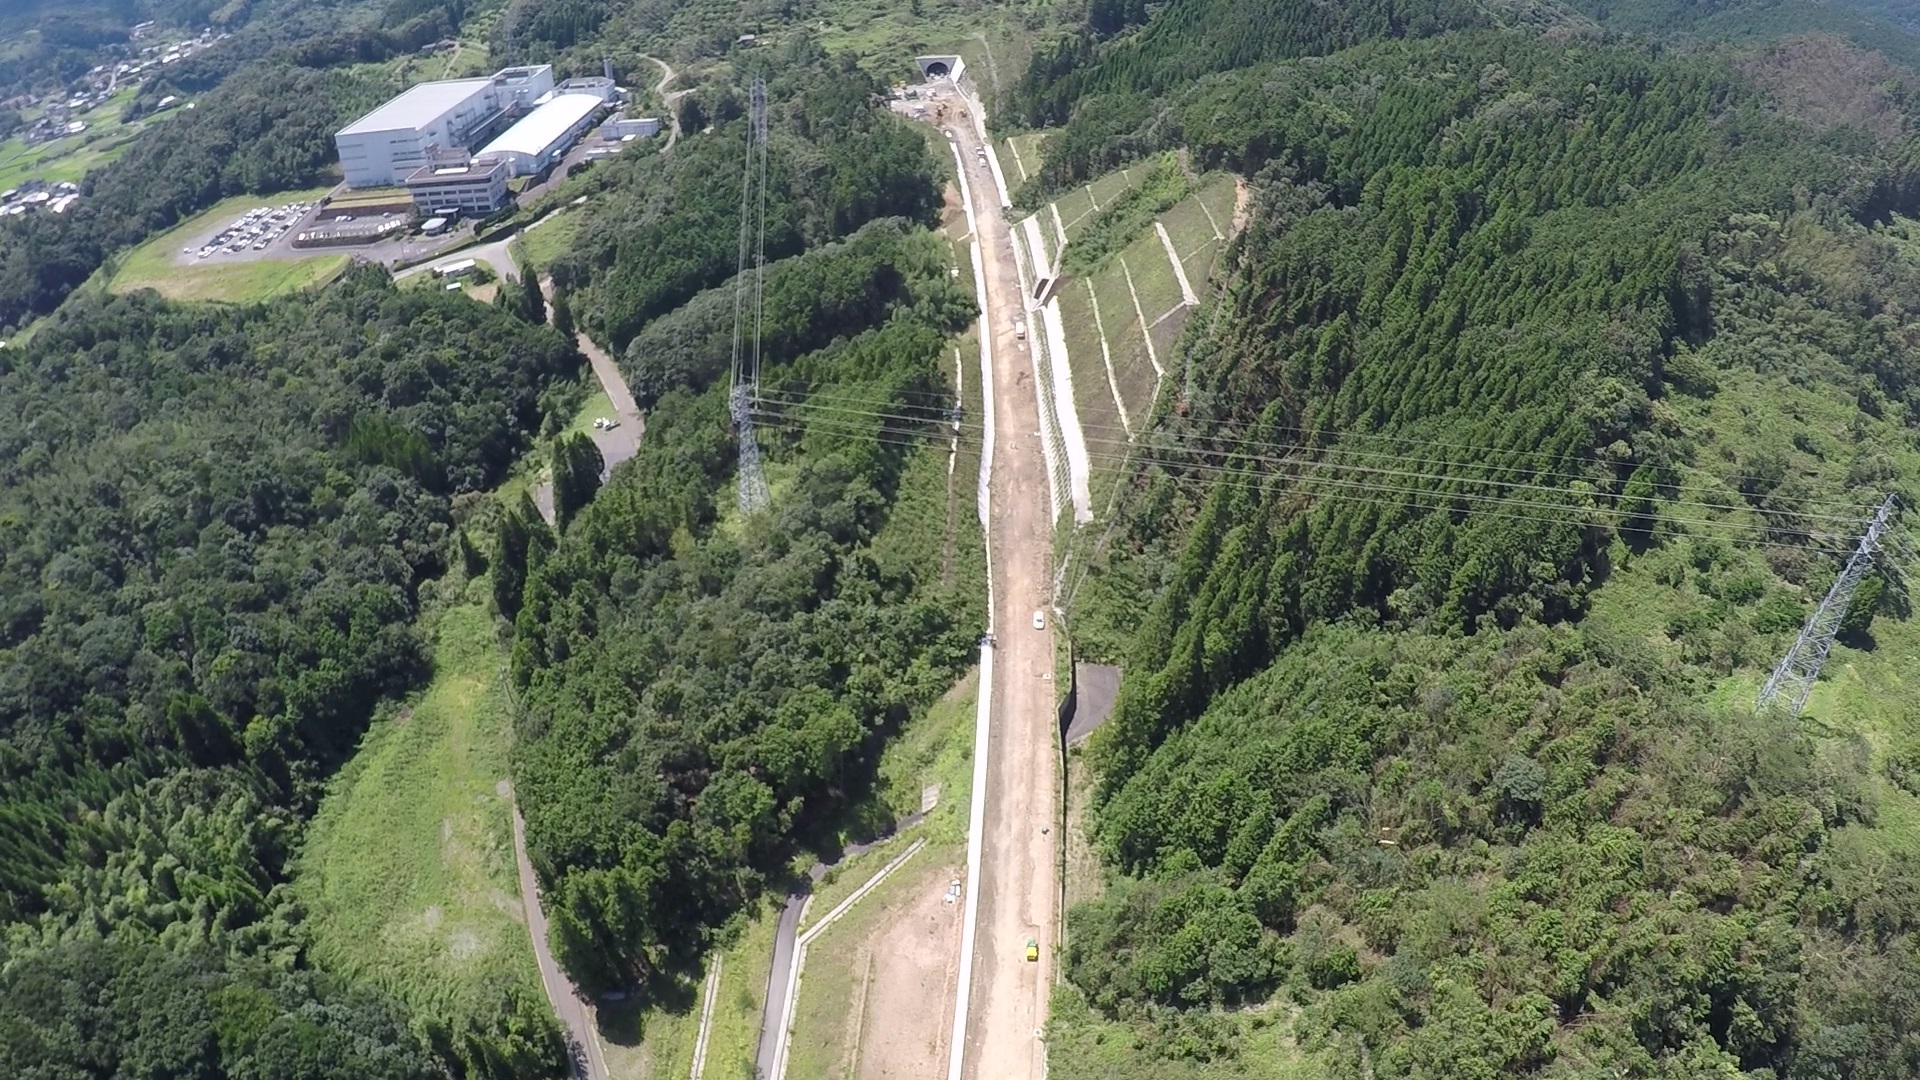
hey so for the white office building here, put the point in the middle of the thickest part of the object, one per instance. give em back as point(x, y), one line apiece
point(543, 135)
point(457, 184)
point(393, 141)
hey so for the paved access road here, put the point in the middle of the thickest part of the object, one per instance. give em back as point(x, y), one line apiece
point(1018, 890)
point(588, 1063)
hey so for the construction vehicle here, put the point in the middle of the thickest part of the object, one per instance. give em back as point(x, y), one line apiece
point(1033, 950)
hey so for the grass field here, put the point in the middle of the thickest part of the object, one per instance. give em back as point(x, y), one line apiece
point(1084, 876)
point(1082, 1045)
point(1020, 156)
point(408, 871)
point(1153, 278)
point(1219, 201)
point(1076, 208)
point(994, 41)
point(1107, 188)
point(1132, 366)
point(1105, 429)
point(539, 246)
point(1193, 229)
point(153, 264)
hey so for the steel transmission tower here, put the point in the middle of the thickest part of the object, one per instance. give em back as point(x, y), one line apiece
point(1792, 681)
point(748, 303)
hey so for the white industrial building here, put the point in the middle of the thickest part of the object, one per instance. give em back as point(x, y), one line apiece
point(455, 183)
point(625, 127)
point(544, 134)
point(393, 141)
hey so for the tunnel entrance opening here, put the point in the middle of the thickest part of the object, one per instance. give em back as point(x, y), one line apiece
point(940, 67)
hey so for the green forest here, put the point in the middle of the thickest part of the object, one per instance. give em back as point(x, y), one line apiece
point(1565, 352)
point(214, 524)
point(703, 692)
point(1548, 387)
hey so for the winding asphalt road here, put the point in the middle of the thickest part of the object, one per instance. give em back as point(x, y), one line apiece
point(569, 1007)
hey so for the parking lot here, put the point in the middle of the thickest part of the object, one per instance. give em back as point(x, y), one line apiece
point(253, 233)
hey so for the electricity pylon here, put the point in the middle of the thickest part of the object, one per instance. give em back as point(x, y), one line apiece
point(748, 300)
point(1792, 681)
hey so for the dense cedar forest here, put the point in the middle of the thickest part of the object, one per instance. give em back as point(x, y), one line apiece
point(701, 693)
point(1439, 762)
point(836, 161)
point(213, 526)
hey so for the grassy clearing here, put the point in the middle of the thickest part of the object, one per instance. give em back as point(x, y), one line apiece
point(1076, 208)
point(1153, 277)
point(408, 871)
point(1187, 224)
point(642, 1043)
point(1084, 879)
point(885, 35)
point(598, 404)
point(1166, 340)
point(1132, 367)
point(1193, 232)
point(1109, 187)
point(540, 246)
point(1020, 155)
point(1082, 1045)
point(155, 264)
point(1093, 398)
point(240, 283)
point(837, 1002)
point(1218, 196)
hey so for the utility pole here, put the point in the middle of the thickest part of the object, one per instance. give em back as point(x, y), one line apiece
point(1793, 680)
point(748, 296)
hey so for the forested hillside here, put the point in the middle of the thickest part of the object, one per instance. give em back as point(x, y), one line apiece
point(213, 526)
point(1543, 393)
point(1872, 25)
point(1185, 41)
point(703, 693)
point(669, 226)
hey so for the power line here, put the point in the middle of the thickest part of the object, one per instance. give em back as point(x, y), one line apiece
point(1303, 469)
point(1237, 442)
point(1354, 491)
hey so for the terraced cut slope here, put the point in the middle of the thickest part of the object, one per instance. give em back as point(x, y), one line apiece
point(1123, 321)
